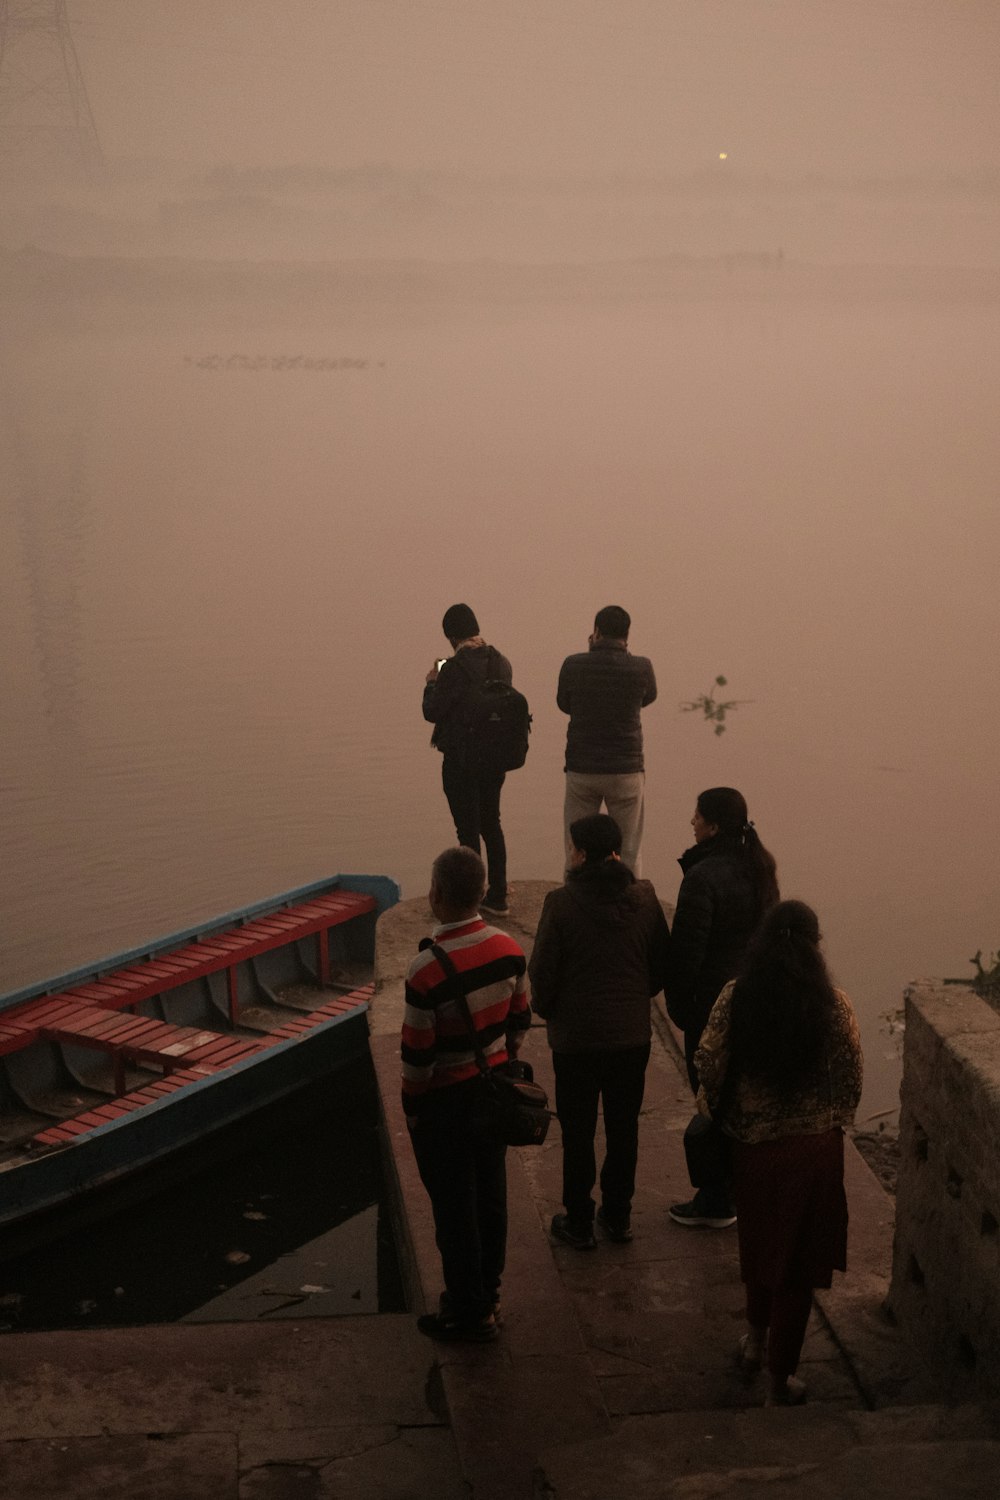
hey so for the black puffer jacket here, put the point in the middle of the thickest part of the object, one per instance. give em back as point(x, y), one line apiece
point(445, 700)
point(717, 911)
point(599, 957)
point(603, 691)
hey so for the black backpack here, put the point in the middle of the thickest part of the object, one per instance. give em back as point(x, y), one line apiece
point(497, 722)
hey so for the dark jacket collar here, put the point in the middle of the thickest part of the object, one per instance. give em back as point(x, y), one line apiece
point(605, 882)
point(697, 852)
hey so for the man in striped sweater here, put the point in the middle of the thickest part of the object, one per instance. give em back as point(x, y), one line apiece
point(463, 1170)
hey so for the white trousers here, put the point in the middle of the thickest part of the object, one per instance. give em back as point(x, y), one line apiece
point(623, 798)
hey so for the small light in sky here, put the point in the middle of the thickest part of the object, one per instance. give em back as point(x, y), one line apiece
point(723, 155)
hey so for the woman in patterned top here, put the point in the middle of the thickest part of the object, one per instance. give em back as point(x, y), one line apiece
point(780, 1067)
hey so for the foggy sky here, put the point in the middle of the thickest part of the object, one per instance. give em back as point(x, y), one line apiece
point(785, 87)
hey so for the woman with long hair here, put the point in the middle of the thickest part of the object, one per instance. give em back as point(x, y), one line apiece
point(781, 1069)
point(730, 881)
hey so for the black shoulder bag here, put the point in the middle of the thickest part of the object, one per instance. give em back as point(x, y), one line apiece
point(708, 1150)
point(511, 1107)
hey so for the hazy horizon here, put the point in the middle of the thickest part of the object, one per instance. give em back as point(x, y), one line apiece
point(845, 131)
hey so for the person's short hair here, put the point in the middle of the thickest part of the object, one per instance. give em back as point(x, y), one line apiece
point(613, 622)
point(459, 623)
point(596, 836)
point(460, 877)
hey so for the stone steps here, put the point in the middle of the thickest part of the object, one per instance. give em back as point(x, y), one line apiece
point(806, 1453)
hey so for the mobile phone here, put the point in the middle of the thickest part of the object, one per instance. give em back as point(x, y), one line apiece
point(441, 661)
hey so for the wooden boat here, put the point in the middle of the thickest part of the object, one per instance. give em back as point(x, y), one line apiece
point(106, 1070)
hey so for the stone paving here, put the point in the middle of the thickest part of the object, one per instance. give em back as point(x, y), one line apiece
point(239, 1411)
point(613, 1377)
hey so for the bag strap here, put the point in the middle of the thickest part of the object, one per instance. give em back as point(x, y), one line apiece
point(473, 683)
point(458, 995)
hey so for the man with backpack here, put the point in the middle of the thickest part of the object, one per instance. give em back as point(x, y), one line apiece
point(481, 726)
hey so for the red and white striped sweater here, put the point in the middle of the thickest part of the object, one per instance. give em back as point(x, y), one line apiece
point(436, 1047)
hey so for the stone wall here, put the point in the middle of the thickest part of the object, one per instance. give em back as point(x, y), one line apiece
point(946, 1257)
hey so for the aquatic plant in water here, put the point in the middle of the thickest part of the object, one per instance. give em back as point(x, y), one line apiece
point(713, 710)
point(987, 980)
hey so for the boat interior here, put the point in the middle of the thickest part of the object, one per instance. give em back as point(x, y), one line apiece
point(87, 1052)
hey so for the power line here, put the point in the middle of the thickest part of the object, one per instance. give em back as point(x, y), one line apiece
point(45, 116)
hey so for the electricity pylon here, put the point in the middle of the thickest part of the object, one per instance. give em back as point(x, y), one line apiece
point(46, 123)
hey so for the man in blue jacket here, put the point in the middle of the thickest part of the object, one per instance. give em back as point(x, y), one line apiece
point(604, 690)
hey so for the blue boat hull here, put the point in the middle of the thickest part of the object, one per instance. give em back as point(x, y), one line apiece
point(108, 1154)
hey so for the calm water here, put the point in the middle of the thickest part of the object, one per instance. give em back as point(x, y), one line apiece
point(222, 587)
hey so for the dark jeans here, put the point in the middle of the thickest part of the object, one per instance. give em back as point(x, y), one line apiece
point(466, 1180)
point(712, 1198)
point(474, 798)
point(616, 1080)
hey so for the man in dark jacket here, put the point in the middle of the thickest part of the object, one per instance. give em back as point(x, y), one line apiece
point(472, 790)
point(603, 690)
point(599, 956)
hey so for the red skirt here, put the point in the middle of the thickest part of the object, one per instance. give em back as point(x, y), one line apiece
point(791, 1210)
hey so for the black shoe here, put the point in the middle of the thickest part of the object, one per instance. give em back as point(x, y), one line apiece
point(696, 1216)
point(444, 1307)
point(619, 1230)
point(449, 1330)
point(494, 908)
point(580, 1236)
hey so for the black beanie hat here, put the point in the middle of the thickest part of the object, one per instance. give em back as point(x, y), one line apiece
point(459, 623)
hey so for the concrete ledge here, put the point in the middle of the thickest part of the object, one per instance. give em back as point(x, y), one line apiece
point(946, 1270)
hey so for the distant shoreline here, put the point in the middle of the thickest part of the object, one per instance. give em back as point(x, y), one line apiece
point(52, 284)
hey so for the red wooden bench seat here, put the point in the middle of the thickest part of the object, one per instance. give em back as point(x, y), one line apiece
point(185, 1053)
point(101, 1114)
point(338, 1007)
point(14, 1038)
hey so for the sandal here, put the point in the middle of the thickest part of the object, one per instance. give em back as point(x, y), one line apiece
point(792, 1393)
point(749, 1356)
